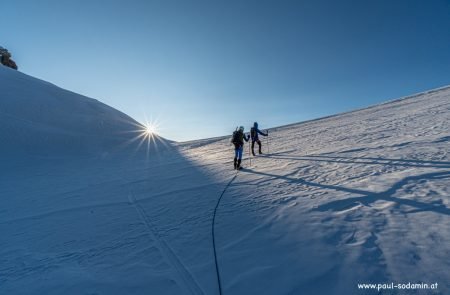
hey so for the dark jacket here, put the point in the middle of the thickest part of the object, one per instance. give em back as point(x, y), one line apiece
point(254, 131)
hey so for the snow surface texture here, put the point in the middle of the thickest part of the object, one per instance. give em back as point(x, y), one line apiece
point(360, 197)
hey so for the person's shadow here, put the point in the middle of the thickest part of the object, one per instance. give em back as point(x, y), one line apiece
point(364, 160)
point(367, 197)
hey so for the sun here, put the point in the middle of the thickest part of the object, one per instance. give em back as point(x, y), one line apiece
point(147, 136)
point(151, 129)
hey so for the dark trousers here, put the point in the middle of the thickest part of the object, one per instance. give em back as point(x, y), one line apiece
point(253, 146)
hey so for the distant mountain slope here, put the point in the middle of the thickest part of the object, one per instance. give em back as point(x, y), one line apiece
point(38, 118)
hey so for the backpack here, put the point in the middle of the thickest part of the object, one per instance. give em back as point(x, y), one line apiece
point(236, 138)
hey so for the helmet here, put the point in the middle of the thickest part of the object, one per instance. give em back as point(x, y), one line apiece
point(255, 124)
point(241, 128)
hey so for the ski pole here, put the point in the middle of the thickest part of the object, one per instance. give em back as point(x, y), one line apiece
point(249, 155)
point(268, 148)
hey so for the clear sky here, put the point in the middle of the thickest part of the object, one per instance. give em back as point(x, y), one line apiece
point(203, 67)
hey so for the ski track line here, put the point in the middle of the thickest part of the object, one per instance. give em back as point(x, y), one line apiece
point(184, 275)
point(214, 236)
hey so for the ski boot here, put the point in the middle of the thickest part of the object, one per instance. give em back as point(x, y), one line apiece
point(239, 165)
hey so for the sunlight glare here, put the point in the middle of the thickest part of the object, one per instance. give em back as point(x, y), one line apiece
point(151, 129)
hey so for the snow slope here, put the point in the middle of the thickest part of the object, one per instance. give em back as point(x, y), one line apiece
point(360, 197)
point(38, 118)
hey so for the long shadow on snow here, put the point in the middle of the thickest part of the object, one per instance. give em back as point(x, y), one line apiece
point(368, 197)
point(411, 162)
point(366, 161)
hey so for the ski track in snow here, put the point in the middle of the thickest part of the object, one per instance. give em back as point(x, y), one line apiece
point(185, 277)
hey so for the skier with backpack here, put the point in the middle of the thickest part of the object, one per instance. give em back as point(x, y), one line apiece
point(254, 131)
point(238, 141)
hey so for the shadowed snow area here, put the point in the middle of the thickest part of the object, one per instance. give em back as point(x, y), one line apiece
point(88, 208)
point(40, 119)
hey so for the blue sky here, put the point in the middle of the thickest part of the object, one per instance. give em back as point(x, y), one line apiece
point(203, 67)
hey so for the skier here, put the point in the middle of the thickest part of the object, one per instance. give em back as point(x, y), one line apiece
point(254, 131)
point(238, 141)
